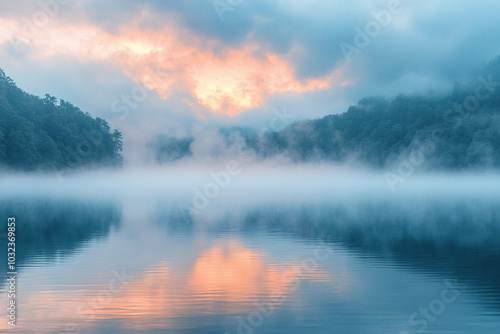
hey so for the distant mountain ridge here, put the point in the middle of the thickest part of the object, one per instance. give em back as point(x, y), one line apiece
point(38, 133)
point(457, 131)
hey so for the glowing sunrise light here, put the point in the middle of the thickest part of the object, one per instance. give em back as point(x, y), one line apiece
point(228, 82)
point(241, 81)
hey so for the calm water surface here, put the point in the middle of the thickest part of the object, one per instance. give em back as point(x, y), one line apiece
point(146, 266)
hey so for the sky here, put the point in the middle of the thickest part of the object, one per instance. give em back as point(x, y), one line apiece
point(171, 66)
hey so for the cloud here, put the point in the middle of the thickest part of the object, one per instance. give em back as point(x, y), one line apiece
point(198, 69)
point(303, 36)
point(228, 81)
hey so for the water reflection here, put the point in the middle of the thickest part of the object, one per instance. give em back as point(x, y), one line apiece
point(361, 267)
point(50, 229)
point(453, 239)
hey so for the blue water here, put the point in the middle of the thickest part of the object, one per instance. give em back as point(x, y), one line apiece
point(147, 266)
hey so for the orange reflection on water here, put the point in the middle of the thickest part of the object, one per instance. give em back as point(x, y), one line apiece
point(227, 278)
point(234, 274)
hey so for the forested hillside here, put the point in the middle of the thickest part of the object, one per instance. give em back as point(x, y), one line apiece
point(38, 133)
point(380, 133)
point(458, 131)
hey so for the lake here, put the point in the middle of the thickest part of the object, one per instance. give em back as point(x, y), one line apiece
point(309, 254)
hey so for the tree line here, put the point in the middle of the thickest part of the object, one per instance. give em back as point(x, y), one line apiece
point(459, 130)
point(44, 133)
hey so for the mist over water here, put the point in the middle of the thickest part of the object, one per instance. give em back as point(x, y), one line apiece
point(208, 249)
point(233, 176)
point(208, 167)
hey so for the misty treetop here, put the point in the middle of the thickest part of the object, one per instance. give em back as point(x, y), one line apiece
point(460, 130)
point(38, 133)
point(380, 133)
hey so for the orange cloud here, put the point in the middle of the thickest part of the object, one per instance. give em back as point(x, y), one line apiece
point(241, 81)
point(229, 81)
